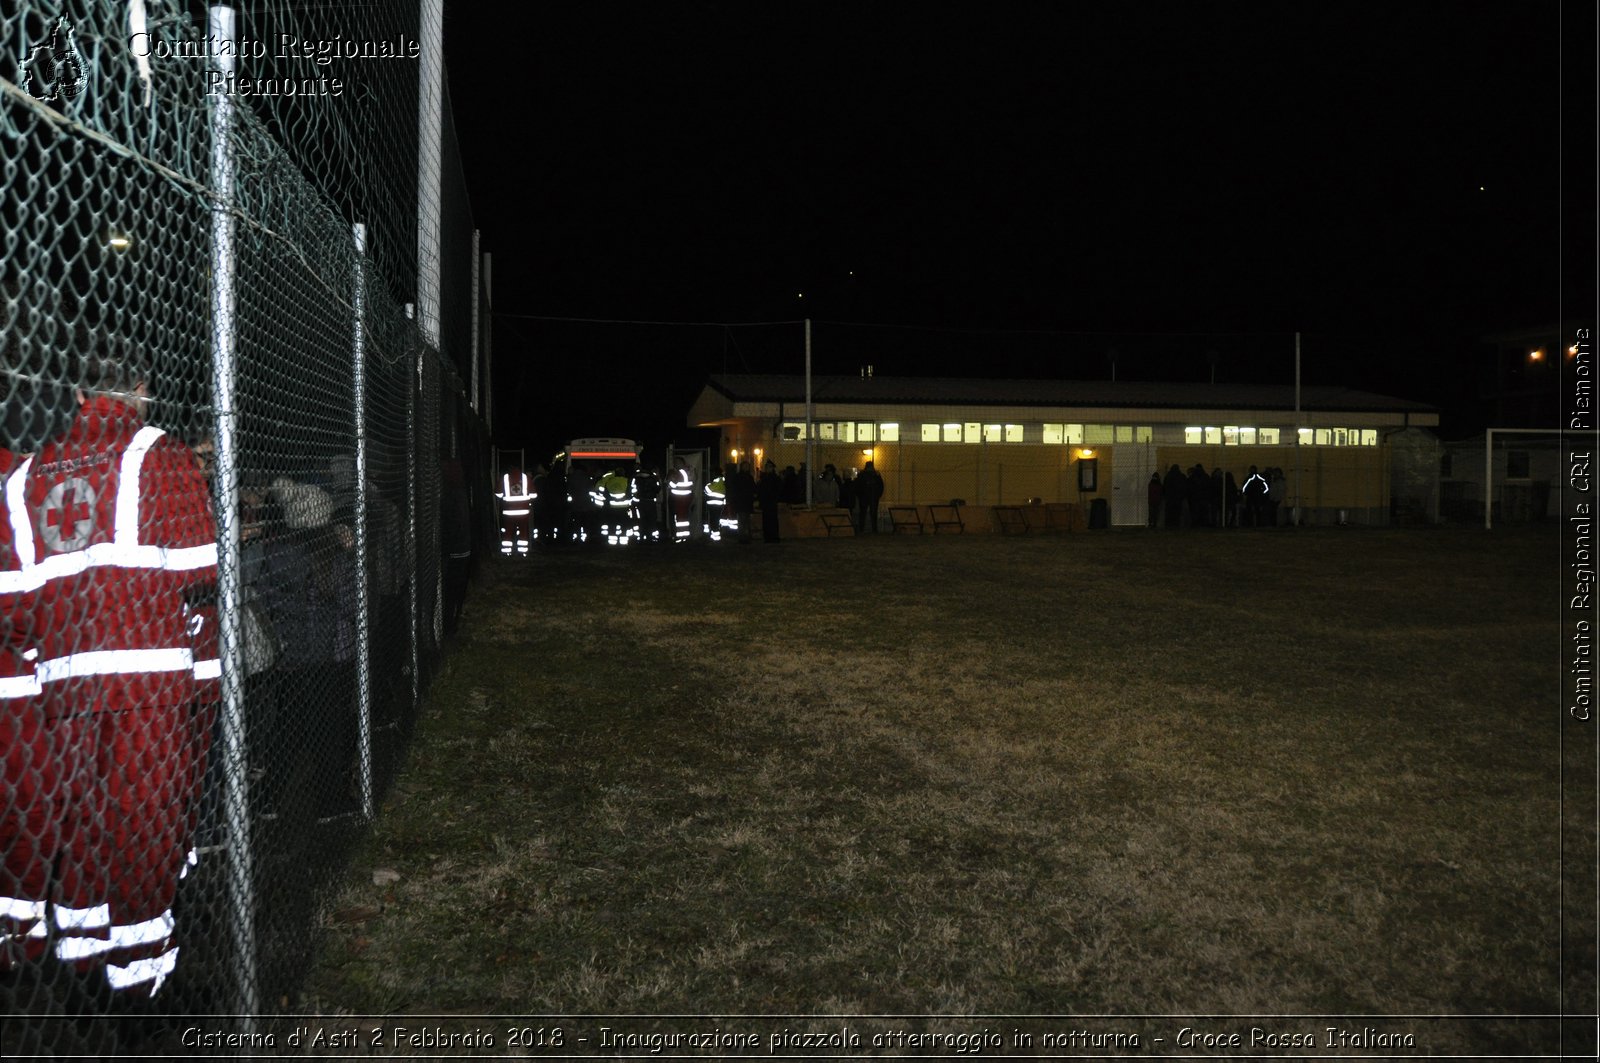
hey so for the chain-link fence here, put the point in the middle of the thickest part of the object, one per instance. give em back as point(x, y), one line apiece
point(243, 328)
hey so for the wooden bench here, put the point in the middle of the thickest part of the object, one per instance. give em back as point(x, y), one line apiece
point(1012, 520)
point(946, 517)
point(837, 520)
point(905, 517)
point(1058, 516)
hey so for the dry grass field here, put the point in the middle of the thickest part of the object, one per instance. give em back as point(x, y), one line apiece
point(1232, 773)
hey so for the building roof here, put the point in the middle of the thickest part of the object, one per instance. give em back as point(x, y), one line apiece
point(972, 391)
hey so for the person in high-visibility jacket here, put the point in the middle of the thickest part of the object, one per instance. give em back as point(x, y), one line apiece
point(681, 483)
point(108, 562)
point(516, 497)
point(716, 505)
point(616, 493)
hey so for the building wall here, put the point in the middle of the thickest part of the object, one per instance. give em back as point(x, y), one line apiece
point(1535, 491)
point(1354, 479)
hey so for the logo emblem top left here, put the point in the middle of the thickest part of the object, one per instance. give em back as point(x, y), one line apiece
point(55, 68)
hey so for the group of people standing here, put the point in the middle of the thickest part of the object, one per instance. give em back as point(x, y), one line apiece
point(593, 506)
point(858, 492)
point(1215, 499)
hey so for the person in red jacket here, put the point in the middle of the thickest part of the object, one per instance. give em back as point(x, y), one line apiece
point(22, 929)
point(109, 556)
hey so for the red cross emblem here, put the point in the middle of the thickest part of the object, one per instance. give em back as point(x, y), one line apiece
point(68, 517)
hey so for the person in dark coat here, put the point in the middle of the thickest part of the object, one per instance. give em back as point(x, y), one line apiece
point(769, 491)
point(306, 591)
point(550, 508)
point(585, 508)
point(1230, 495)
point(1153, 494)
point(869, 489)
point(647, 493)
point(1174, 491)
point(1255, 499)
point(742, 497)
point(1200, 496)
point(455, 540)
point(1277, 491)
point(847, 492)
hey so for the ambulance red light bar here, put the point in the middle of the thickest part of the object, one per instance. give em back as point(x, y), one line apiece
point(603, 447)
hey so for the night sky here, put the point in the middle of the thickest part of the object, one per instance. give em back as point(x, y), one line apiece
point(1024, 189)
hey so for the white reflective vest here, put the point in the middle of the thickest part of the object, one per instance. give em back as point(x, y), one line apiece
point(515, 494)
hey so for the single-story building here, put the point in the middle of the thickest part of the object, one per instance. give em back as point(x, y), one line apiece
point(1525, 469)
point(1349, 454)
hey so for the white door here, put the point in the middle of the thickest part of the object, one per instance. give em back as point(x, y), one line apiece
point(1131, 466)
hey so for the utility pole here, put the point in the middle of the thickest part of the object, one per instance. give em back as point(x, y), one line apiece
point(1296, 511)
point(810, 444)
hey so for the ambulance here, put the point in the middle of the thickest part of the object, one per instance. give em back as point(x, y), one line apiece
point(610, 465)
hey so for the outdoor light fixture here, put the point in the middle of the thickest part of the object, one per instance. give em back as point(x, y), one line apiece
point(1088, 472)
point(1572, 352)
point(1536, 355)
point(1086, 452)
point(866, 452)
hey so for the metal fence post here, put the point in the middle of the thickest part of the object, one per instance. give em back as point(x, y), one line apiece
point(413, 384)
point(430, 126)
point(358, 360)
point(223, 26)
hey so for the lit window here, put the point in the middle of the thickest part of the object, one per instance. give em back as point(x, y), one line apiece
point(1124, 433)
point(1144, 434)
point(825, 431)
point(974, 432)
point(1369, 437)
point(1072, 434)
point(847, 431)
point(1213, 435)
point(1053, 435)
point(1230, 435)
point(991, 433)
point(792, 430)
point(930, 433)
point(952, 433)
point(864, 432)
point(1013, 433)
point(1097, 434)
point(1324, 437)
point(1267, 436)
point(1247, 437)
point(889, 433)
point(1304, 436)
point(1194, 435)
